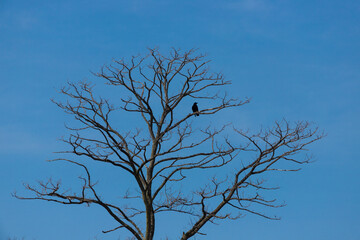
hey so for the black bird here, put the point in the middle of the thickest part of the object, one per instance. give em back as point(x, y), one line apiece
point(195, 109)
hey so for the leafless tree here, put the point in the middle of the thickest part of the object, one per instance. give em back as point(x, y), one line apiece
point(168, 149)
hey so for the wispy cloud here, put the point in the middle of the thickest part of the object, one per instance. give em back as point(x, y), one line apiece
point(20, 19)
point(26, 20)
point(16, 140)
point(249, 5)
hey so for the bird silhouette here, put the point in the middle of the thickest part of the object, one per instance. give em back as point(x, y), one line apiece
point(195, 109)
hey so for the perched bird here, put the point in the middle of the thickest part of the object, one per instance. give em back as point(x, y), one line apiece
point(195, 109)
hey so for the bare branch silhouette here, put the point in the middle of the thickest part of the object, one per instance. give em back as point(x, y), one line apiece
point(161, 156)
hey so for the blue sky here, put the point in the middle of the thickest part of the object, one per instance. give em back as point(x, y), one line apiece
point(295, 59)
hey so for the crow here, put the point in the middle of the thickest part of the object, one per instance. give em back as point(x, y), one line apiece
point(195, 109)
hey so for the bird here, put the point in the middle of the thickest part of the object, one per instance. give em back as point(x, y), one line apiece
point(195, 109)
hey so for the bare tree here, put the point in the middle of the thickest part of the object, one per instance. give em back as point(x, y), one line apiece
point(163, 154)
